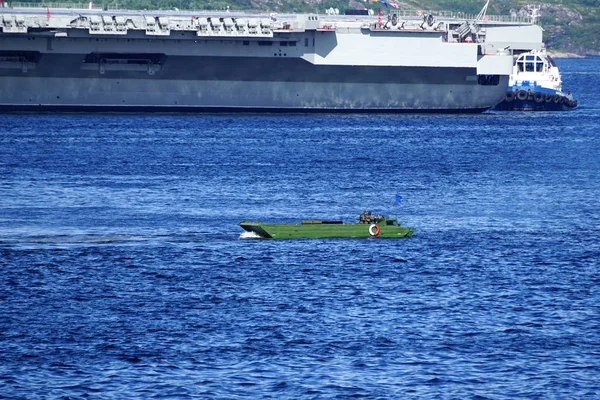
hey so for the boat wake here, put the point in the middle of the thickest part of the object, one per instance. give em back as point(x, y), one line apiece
point(91, 239)
point(250, 235)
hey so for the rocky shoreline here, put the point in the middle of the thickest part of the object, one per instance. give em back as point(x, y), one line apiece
point(562, 54)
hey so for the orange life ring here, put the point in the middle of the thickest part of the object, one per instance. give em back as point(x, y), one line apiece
point(374, 230)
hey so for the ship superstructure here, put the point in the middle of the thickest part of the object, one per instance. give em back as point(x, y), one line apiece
point(94, 60)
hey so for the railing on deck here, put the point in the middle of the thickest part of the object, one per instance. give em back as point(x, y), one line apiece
point(76, 6)
point(460, 15)
point(407, 13)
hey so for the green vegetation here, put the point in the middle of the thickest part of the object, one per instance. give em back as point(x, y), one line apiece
point(569, 26)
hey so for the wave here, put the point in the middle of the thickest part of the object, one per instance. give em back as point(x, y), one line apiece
point(74, 239)
point(250, 235)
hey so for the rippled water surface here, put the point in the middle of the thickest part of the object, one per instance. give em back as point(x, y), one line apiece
point(123, 274)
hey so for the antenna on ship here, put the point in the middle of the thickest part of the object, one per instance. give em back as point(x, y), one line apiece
point(535, 14)
point(483, 13)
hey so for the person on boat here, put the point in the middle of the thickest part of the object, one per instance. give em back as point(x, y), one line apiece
point(363, 218)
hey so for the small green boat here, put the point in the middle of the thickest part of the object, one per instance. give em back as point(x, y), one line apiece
point(368, 226)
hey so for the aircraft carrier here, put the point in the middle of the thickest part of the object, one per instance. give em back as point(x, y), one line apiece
point(146, 61)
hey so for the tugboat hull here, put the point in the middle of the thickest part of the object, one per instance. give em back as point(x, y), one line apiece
point(520, 100)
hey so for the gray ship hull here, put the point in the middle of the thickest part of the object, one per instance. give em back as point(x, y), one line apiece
point(236, 84)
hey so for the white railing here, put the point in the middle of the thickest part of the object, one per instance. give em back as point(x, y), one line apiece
point(407, 13)
point(460, 15)
point(76, 6)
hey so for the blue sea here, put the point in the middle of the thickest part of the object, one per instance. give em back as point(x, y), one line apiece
point(124, 273)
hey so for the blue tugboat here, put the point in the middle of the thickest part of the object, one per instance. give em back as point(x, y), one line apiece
point(536, 85)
